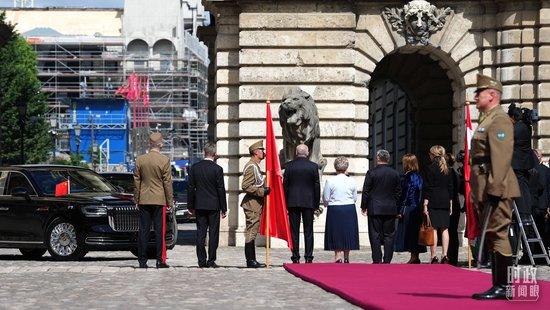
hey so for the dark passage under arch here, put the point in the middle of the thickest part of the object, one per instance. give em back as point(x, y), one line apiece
point(410, 107)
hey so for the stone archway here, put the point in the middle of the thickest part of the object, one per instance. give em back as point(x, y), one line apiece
point(410, 106)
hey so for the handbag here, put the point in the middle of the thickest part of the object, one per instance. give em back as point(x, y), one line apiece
point(426, 233)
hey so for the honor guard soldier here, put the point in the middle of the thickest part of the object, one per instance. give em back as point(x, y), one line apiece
point(494, 184)
point(255, 189)
point(153, 191)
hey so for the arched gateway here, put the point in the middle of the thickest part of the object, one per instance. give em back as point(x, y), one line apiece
point(390, 74)
point(411, 105)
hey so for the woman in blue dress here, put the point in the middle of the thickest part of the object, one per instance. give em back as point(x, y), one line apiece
point(410, 217)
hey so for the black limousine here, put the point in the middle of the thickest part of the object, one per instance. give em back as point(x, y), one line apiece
point(93, 216)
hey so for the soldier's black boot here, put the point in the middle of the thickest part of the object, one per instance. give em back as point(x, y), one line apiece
point(250, 253)
point(248, 249)
point(499, 270)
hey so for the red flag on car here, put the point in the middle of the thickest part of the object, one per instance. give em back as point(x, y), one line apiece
point(274, 222)
point(472, 221)
point(63, 188)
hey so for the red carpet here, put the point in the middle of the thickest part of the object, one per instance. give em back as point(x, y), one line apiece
point(401, 286)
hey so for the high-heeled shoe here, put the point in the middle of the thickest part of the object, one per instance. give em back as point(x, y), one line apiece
point(338, 261)
point(346, 260)
point(435, 260)
point(445, 260)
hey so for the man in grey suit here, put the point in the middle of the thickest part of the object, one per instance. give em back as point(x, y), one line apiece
point(153, 182)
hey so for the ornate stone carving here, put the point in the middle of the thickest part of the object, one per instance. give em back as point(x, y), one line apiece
point(300, 123)
point(417, 20)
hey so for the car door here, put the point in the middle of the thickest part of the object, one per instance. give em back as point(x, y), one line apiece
point(3, 206)
point(23, 222)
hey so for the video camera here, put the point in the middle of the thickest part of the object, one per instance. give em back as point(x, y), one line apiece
point(525, 115)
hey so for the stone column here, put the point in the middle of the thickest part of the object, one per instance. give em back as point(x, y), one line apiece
point(208, 36)
point(542, 76)
point(516, 51)
point(226, 122)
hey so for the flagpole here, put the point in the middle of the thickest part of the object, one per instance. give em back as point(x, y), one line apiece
point(469, 255)
point(467, 193)
point(267, 207)
point(268, 238)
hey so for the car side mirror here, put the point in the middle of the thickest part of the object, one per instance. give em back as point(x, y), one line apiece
point(20, 192)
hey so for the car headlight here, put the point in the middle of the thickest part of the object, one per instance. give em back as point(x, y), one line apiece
point(94, 211)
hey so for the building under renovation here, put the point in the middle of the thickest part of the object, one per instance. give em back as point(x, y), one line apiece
point(115, 74)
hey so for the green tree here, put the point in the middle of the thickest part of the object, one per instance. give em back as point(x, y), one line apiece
point(6, 30)
point(19, 84)
point(76, 160)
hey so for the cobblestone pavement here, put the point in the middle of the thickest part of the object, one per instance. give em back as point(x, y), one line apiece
point(110, 280)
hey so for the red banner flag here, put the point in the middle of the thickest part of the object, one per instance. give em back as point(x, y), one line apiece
point(472, 221)
point(274, 220)
point(63, 188)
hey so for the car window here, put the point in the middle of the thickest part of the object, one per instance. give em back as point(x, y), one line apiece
point(126, 181)
point(80, 181)
point(179, 186)
point(3, 179)
point(180, 190)
point(17, 179)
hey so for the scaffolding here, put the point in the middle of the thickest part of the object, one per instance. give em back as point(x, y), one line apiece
point(95, 67)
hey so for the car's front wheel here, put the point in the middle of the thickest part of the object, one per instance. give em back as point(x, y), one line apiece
point(32, 253)
point(64, 241)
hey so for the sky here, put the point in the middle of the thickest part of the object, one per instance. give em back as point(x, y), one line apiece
point(71, 3)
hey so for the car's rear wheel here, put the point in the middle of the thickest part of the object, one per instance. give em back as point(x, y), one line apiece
point(32, 253)
point(64, 241)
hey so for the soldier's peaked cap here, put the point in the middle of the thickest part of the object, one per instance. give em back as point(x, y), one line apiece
point(155, 137)
point(257, 145)
point(485, 82)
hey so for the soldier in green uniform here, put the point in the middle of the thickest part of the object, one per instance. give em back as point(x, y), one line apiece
point(255, 189)
point(494, 184)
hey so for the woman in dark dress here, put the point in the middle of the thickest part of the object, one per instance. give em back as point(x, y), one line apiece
point(410, 216)
point(454, 241)
point(438, 195)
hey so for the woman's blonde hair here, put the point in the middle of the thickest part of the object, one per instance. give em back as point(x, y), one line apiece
point(410, 163)
point(439, 154)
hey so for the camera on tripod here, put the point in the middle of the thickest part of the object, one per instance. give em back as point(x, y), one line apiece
point(528, 116)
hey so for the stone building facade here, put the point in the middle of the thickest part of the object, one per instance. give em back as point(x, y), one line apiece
point(379, 77)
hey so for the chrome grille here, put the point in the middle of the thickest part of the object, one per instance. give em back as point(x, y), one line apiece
point(124, 218)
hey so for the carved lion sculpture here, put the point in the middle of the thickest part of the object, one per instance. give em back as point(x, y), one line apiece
point(300, 123)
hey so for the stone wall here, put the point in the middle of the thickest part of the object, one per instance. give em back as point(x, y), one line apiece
point(331, 48)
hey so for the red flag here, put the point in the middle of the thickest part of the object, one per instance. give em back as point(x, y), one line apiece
point(274, 220)
point(63, 188)
point(472, 221)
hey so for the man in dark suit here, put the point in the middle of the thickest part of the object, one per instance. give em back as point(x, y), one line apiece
point(380, 193)
point(206, 199)
point(302, 192)
point(540, 204)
